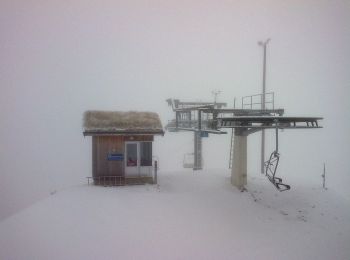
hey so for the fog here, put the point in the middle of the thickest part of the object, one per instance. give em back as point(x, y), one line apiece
point(60, 58)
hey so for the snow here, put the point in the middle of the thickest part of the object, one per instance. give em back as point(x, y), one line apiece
point(189, 215)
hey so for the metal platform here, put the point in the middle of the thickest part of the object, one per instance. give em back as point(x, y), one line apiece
point(268, 122)
point(235, 111)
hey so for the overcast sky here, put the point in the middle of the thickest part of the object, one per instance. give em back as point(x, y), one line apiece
point(60, 58)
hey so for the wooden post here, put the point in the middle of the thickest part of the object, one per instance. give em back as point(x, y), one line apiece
point(324, 176)
point(155, 172)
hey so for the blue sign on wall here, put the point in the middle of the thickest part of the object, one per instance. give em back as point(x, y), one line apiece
point(115, 157)
point(204, 134)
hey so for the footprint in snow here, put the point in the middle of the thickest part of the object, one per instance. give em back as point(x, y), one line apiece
point(283, 212)
point(302, 218)
point(301, 215)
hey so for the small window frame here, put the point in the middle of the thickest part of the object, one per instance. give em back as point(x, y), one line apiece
point(145, 154)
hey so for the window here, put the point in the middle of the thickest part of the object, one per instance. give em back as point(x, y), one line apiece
point(131, 154)
point(146, 153)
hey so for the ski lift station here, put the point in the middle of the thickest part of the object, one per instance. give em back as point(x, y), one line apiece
point(122, 141)
point(204, 118)
point(122, 146)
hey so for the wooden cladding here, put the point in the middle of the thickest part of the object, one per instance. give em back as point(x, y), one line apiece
point(138, 138)
point(104, 146)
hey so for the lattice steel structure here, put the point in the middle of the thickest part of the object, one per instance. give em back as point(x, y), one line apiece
point(204, 118)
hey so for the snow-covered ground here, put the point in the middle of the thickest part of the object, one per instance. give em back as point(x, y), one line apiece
point(189, 215)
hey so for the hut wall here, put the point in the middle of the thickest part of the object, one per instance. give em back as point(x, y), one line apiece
point(101, 147)
point(104, 145)
point(145, 138)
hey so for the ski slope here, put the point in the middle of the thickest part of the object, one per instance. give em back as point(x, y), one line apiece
point(189, 215)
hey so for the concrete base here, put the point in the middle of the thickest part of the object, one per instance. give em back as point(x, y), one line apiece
point(239, 167)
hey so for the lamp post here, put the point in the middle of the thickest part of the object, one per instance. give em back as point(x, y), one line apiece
point(263, 45)
point(215, 93)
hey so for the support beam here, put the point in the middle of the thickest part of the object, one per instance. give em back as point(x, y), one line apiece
point(239, 167)
point(262, 155)
point(198, 144)
point(197, 151)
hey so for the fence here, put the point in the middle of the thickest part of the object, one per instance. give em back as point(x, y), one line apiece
point(125, 180)
point(255, 101)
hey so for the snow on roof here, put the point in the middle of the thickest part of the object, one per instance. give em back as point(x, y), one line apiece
point(116, 122)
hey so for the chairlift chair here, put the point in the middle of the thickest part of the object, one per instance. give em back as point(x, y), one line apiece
point(271, 168)
point(188, 161)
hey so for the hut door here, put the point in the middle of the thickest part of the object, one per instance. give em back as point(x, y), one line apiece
point(132, 159)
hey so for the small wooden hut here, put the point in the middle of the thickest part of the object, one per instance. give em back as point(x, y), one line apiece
point(122, 146)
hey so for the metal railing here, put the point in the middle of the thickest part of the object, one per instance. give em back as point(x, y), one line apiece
point(107, 180)
point(255, 101)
